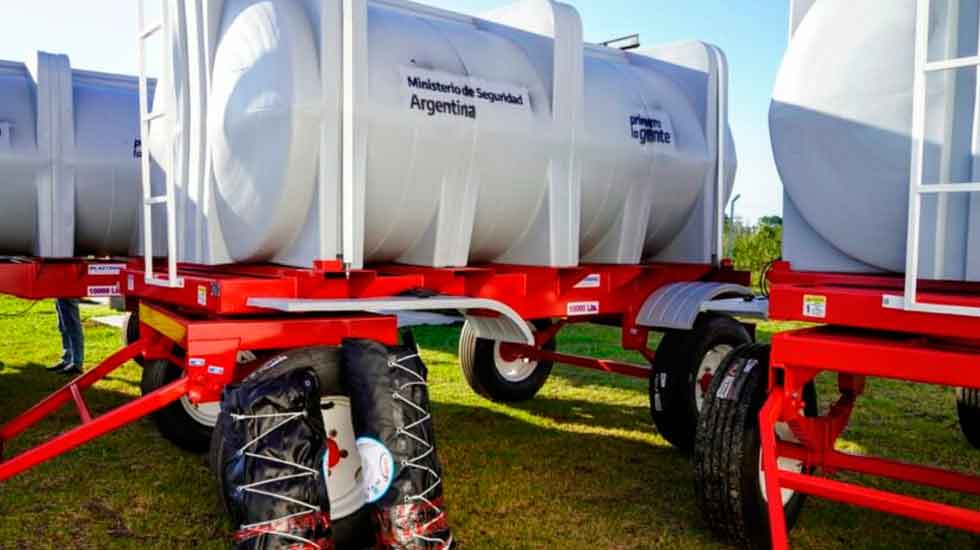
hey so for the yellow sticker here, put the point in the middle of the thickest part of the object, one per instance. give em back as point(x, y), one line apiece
point(815, 306)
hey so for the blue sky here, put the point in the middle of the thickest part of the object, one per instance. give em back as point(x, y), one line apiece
point(100, 35)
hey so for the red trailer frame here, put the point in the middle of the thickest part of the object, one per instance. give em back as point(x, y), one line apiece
point(205, 323)
point(861, 338)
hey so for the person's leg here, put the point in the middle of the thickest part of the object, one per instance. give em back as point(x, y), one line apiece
point(70, 324)
point(60, 308)
point(73, 328)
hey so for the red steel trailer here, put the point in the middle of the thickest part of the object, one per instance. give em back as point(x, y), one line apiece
point(198, 329)
point(765, 400)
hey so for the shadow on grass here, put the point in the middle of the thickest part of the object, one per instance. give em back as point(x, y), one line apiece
point(529, 476)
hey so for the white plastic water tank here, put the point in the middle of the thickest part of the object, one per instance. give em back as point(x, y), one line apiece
point(841, 122)
point(69, 173)
point(439, 139)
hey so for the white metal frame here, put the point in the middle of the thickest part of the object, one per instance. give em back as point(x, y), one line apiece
point(507, 327)
point(917, 189)
point(171, 280)
point(722, 145)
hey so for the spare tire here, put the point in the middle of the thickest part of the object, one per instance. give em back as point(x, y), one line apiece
point(389, 389)
point(352, 522)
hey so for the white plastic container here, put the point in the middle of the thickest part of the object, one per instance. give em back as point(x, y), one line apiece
point(69, 172)
point(387, 131)
point(841, 122)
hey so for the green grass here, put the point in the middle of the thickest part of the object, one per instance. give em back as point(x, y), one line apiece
point(579, 467)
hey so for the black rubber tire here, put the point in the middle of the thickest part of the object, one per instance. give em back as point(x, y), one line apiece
point(131, 333)
point(968, 407)
point(353, 532)
point(476, 359)
point(172, 421)
point(673, 377)
point(726, 453)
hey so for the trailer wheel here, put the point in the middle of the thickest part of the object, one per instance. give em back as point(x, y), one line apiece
point(491, 375)
point(184, 424)
point(355, 529)
point(968, 407)
point(683, 368)
point(131, 333)
point(729, 483)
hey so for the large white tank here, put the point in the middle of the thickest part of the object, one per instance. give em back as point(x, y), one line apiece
point(841, 122)
point(69, 172)
point(439, 139)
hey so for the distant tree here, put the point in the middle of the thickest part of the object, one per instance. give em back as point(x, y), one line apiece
point(755, 247)
point(773, 221)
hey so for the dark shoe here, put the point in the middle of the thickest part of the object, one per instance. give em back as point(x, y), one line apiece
point(58, 368)
point(71, 370)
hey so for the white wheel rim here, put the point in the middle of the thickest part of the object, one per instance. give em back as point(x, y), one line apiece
point(515, 371)
point(207, 413)
point(784, 433)
point(344, 479)
point(707, 370)
point(202, 413)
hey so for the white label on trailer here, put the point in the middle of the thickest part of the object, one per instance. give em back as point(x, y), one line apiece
point(131, 283)
point(593, 280)
point(196, 362)
point(107, 270)
point(202, 295)
point(815, 306)
point(216, 370)
point(103, 291)
point(583, 308)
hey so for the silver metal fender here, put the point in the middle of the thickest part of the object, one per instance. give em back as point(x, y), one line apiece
point(676, 306)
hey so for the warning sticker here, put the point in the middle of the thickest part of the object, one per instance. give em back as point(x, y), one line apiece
point(202, 295)
point(815, 306)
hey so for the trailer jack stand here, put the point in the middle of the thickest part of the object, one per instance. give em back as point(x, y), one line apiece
point(90, 428)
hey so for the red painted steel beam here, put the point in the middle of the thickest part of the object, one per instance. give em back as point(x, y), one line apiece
point(912, 473)
point(768, 416)
point(83, 411)
point(97, 427)
point(36, 279)
point(877, 355)
point(854, 300)
point(603, 365)
point(534, 292)
point(890, 503)
point(56, 400)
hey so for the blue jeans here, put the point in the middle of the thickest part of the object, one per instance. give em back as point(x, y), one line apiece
point(70, 325)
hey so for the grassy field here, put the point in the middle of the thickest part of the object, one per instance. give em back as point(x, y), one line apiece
point(579, 467)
